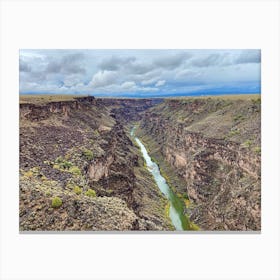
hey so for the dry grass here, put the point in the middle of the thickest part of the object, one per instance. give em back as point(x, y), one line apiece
point(42, 99)
point(224, 97)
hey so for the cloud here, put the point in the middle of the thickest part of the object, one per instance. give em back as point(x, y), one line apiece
point(128, 86)
point(114, 62)
point(68, 64)
point(171, 61)
point(149, 81)
point(103, 78)
point(71, 80)
point(186, 74)
point(113, 72)
point(206, 61)
point(160, 83)
point(23, 66)
point(249, 56)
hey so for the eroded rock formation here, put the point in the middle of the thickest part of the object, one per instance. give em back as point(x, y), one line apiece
point(213, 146)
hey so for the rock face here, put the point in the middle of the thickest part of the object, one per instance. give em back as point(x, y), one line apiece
point(213, 146)
point(80, 152)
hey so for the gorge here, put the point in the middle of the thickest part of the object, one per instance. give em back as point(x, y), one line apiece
point(80, 151)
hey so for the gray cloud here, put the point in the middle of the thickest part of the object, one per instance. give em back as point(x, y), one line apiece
point(226, 59)
point(116, 71)
point(23, 66)
point(114, 62)
point(207, 61)
point(172, 61)
point(68, 64)
point(249, 56)
point(103, 78)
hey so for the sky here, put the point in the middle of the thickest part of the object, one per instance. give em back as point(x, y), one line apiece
point(139, 73)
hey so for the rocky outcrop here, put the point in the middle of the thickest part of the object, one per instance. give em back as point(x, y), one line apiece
point(214, 147)
point(77, 212)
point(129, 110)
point(68, 148)
point(207, 148)
point(38, 112)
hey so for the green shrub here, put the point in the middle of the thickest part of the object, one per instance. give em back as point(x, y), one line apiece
point(75, 170)
point(91, 193)
point(234, 132)
point(61, 163)
point(248, 143)
point(59, 159)
point(65, 165)
point(77, 190)
point(238, 118)
point(87, 154)
point(56, 202)
point(257, 150)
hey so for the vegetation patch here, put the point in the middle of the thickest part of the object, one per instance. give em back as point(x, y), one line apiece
point(87, 154)
point(56, 202)
point(234, 132)
point(77, 190)
point(238, 117)
point(91, 193)
point(75, 170)
point(257, 149)
point(247, 143)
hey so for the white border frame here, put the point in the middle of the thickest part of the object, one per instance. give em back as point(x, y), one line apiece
point(139, 24)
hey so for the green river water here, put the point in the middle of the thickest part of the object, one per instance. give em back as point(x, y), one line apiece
point(179, 220)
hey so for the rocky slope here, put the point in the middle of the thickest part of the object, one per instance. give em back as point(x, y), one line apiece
point(209, 151)
point(79, 170)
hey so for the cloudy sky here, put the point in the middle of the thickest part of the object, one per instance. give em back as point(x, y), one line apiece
point(139, 73)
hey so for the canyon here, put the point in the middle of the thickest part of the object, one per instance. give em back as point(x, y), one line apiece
point(79, 151)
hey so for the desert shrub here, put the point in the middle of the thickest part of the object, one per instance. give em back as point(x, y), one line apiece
point(248, 143)
point(257, 150)
point(65, 164)
point(56, 202)
point(91, 193)
point(87, 154)
point(95, 133)
point(234, 132)
point(59, 159)
point(77, 190)
point(75, 170)
point(56, 166)
point(62, 164)
point(238, 118)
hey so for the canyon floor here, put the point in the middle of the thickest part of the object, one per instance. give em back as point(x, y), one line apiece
point(81, 170)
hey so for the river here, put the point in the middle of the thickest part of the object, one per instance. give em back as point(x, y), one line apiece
point(179, 220)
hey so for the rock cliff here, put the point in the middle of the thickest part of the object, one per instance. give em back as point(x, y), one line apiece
point(78, 152)
point(210, 148)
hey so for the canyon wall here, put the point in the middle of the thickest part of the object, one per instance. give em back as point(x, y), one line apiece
point(78, 151)
point(212, 146)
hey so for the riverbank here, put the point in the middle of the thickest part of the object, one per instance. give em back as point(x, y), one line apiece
point(176, 206)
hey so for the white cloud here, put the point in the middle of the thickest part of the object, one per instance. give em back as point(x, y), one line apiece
point(149, 81)
point(128, 86)
point(103, 78)
point(135, 71)
point(160, 83)
point(72, 80)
